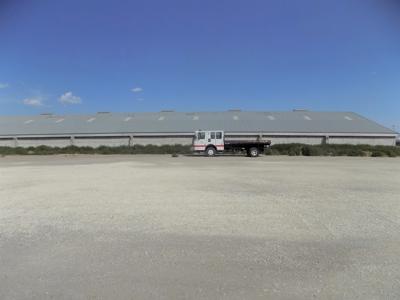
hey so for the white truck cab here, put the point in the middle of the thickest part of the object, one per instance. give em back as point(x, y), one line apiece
point(210, 141)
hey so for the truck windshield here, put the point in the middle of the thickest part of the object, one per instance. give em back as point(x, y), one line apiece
point(201, 135)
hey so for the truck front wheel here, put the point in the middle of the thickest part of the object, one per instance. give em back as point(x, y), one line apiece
point(253, 152)
point(211, 151)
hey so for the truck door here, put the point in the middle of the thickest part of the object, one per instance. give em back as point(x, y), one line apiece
point(200, 141)
point(211, 138)
point(219, 140)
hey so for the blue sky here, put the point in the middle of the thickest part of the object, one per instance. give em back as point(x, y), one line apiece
point(85, 56)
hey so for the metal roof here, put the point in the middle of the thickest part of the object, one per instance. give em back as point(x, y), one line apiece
point(237, 121)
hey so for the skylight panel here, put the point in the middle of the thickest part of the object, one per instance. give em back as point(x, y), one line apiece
point(235, 118)
point(348, 118)
point(91, 120)
point(307, 118)
point(161, 118)
point(60, 120)
point(28, 121)
point(195, 118)
point(271, 118)
point(127, 119)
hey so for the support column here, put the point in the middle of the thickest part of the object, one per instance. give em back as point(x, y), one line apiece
point(131, 142)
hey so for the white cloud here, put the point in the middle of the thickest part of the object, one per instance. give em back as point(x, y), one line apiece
point(137, 89)
point(33, 102)
point(4, 85)
point(69, 98)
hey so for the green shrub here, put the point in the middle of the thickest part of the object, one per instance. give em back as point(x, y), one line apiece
point(311, 150)
point(295, 151)
point(333, 150)
point(268, 151)
point(288, 149)
point(21, 151)
point(272, 151)
point(278, 149)
point(105, 150)
point(355, 152)
point(377, 154)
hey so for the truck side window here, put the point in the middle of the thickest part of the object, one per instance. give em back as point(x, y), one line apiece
point(201, 135)
point(219, 135)
point(213, 135)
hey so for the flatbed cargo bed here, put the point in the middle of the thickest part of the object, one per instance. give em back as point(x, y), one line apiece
point(246, 142)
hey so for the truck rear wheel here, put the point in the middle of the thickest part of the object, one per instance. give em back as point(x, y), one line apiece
point(253, 152)
point(211, 151)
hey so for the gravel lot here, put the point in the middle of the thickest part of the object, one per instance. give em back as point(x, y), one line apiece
point(157, 227)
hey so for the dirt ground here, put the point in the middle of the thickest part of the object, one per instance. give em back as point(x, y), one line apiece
point(157, 227)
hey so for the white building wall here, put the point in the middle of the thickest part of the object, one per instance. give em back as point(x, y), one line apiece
point(43, 142)
point(317, 140)
point(162, 140)
point(242, 137)
point(170, 140)
point(97, 142)
point(375, 141)
point(7, 143)
point(300, 140)
point(280, 139)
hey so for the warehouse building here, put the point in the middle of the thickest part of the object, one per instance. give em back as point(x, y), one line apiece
point(169, 127)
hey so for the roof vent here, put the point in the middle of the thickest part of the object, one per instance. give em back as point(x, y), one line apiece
point(194, 116)
point(47, 115)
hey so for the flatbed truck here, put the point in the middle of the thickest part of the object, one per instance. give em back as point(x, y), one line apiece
point(212, 142)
